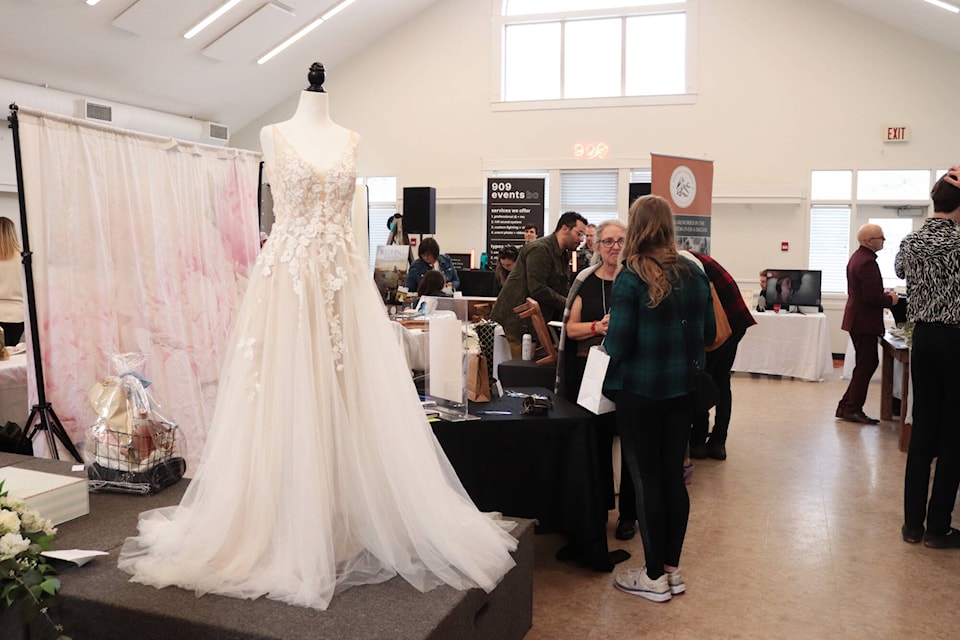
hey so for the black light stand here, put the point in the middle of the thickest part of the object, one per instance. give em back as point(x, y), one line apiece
point(42, 416)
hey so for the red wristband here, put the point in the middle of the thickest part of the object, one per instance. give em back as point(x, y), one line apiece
point(593, 328)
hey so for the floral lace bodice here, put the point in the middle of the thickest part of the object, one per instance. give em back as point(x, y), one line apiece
point(313, 225)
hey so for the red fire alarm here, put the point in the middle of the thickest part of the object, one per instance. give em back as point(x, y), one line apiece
point(784, 246)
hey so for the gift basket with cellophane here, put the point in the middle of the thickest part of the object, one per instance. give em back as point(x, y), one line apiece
point(130, 447)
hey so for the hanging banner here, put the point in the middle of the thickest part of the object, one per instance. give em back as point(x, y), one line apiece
point(687, 184)
point(512, 203)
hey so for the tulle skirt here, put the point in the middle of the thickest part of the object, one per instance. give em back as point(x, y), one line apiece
point(320, 470)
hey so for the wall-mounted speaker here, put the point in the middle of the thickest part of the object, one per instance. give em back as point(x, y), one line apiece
point(419, 209)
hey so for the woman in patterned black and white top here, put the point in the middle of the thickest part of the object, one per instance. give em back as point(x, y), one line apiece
point(929, 260)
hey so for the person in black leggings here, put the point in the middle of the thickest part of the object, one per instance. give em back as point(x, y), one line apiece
point(929, 260)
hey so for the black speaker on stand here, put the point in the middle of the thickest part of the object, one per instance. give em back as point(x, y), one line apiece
point(420, 210)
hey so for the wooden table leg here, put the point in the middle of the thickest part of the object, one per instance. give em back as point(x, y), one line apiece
point(905, 427)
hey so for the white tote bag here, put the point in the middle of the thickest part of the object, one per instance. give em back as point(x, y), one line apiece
point(591, 395)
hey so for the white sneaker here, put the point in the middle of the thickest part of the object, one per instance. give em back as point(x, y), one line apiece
point(675, 580)
point(637, 582)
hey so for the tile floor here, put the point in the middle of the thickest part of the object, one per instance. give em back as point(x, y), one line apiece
point(795, 535)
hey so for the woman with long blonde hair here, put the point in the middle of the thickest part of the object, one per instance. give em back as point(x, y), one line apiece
point(11, 283)
point(660, 320)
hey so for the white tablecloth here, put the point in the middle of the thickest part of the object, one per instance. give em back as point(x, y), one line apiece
point(791, 344)
point(14, 405)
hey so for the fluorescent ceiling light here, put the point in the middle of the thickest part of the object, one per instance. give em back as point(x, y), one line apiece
point(203, 24)
point(307, 29)
point(944, 5)
point(92, 2)
point(289, 41)
point(337, 9)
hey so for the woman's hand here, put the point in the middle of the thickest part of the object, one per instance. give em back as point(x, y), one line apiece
point(953, 175)
point(602, 325)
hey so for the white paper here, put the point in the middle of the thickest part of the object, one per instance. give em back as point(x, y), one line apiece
point(79, 557)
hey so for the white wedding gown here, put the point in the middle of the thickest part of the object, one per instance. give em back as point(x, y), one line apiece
point(320, 470)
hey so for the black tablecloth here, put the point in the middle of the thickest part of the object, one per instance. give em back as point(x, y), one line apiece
point(526, 373)
point(541, 467)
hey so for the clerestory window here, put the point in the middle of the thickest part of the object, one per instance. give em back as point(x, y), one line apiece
point(570, 50)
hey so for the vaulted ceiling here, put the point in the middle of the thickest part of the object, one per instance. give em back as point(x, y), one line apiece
point(133, 52)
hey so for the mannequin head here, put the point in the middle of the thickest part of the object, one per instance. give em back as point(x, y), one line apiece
point(316, 76)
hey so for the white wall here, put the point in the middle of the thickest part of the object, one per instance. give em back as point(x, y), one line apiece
point(10, 207)
point(783, 87)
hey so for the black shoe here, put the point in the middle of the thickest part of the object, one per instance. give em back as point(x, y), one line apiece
point(716, 451)
point(698, 451)
point(911, 535)
point(626, 529)
point(857, 416)
point(949, 540)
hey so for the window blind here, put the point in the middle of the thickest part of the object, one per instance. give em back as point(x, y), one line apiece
point(382, 193)
point(593, 194)
point(830, 245)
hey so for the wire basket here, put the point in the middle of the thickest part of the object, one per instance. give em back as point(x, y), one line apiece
point(141, 461)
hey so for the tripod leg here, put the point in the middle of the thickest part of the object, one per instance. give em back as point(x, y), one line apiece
point(51, 443)
point(48, 422)
point(63, 436)
point(26, 434)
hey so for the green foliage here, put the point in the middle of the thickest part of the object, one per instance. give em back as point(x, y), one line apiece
point(26, 579)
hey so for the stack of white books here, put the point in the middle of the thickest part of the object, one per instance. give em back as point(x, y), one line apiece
point(56, 497)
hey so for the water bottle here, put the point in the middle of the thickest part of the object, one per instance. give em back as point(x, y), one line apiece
point(526, 352)
point(483, 261)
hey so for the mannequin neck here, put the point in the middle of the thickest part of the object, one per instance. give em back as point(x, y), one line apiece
point(311, 132)
point(314, 107)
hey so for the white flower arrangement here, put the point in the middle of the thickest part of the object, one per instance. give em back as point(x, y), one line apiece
point(25, 576)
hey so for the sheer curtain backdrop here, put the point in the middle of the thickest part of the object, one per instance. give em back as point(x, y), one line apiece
point(140, 244)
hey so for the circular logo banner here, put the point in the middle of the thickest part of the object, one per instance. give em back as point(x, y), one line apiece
point(683, 186)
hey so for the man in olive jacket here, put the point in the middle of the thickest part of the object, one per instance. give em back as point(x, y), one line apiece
point(542, 272)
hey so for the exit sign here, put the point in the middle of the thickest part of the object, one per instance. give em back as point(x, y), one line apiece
point(896, 134)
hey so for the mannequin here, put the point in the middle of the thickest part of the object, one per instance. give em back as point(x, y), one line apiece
point(311, 132)
point(305, 486)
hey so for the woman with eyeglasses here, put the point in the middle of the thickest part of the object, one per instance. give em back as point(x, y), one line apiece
point(588, 312)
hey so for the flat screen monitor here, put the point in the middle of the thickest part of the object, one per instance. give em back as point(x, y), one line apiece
point(793, 288)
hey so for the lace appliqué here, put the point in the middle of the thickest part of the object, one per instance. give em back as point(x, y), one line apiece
point(312, 228)
point(245, 349)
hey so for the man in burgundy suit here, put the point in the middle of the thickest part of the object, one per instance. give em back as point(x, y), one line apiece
point(863, 319)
